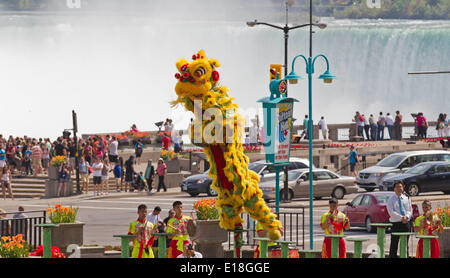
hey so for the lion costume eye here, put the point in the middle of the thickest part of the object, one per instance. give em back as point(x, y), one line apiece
point(200, 72)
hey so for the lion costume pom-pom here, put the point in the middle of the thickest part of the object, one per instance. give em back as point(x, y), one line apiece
point(237, 186)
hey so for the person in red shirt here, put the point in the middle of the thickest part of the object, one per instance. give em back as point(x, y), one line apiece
point(166, 142)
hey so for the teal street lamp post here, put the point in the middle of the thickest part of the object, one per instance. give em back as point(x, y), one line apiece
point(293, 79)
point(278, 112)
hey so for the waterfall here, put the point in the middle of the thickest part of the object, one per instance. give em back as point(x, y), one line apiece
point(118, 70)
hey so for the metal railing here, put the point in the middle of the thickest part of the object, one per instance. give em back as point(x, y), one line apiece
point(293, 225)
point(12, 226)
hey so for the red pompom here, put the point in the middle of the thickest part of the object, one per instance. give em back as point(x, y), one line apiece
point(177, 75)
point(215, 76)
point(194, 57)
point(184, 67)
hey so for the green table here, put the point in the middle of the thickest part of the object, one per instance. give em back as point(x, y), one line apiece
point(125, 246)
point(264, 246)
point(381, 237)
point(426, 250)
point(310, 254)
point(47, 240)
point(357, 253)
point(162, 246)
point(284, 247)
point(334, 245)
point(403, 243)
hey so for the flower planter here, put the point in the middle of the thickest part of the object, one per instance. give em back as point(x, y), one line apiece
point(53, 172)
point(209, 237)
point(444, 243)
point(173, 166)
point(65, 234)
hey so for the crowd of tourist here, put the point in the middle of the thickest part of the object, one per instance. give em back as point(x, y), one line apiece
point(374, 127)
point(98, 157)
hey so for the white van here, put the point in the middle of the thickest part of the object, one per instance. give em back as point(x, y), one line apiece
point(371, 177)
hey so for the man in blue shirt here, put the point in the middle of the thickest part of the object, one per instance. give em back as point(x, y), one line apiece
point(353, 159)
point(400, 213)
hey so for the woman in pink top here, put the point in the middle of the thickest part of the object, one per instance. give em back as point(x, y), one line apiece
point(161, 171)
point(422, 125)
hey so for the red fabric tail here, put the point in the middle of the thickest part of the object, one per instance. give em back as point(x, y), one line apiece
point(220, 164)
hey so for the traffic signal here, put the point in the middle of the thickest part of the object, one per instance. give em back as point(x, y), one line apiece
point(275, 72)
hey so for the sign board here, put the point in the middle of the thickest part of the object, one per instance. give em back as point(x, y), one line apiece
point(283, 132)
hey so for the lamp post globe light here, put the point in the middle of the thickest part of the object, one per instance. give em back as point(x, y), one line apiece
point(293, 78)
point(286, 30)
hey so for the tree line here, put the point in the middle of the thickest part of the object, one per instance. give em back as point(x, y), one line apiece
point(353, 9)
point(389, 9)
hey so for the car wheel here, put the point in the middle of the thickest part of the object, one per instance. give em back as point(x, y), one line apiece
point(211, 191)
point(193, 194)
point(369, 189)
point(317, 198)
point(369, 228)
point(338, 193)
point(412, 190)
point(290, 195)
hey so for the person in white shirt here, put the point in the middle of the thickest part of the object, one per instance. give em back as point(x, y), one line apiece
point(113, 146)
point(154, 217)
point(189, 252)
point(97, 174)
point(389, 124)
point(323, 127)
point(400, 213)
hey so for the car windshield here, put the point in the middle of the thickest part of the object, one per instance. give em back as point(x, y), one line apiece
point(418, 169)
point(382, 199)
point(256, 167)
point(292, 175)
point(391, 161)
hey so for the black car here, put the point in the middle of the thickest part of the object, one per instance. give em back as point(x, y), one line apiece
point(197, 184)
point(424, 177)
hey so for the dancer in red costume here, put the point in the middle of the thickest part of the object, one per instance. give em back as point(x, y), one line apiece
point(333, 223)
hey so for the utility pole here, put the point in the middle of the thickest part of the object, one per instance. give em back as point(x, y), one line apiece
point(77, 168)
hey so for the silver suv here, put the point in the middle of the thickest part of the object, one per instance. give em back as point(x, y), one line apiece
point(372, 177)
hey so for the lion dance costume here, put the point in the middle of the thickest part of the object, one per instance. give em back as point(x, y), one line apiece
point(237, 186)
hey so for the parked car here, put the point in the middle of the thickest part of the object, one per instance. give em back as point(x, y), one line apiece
point(201, 183)
point(371, 177)
point(196, 184)
point(424, 177)
point(368, 208)
point(267, 172)
point(325, 184)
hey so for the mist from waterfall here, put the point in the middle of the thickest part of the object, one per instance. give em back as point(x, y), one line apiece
point(115, 70)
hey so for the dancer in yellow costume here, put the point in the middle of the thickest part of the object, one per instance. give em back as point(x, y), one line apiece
point(142, 230)
point(198, 89)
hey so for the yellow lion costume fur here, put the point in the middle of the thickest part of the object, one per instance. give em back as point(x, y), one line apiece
point(237, 186)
